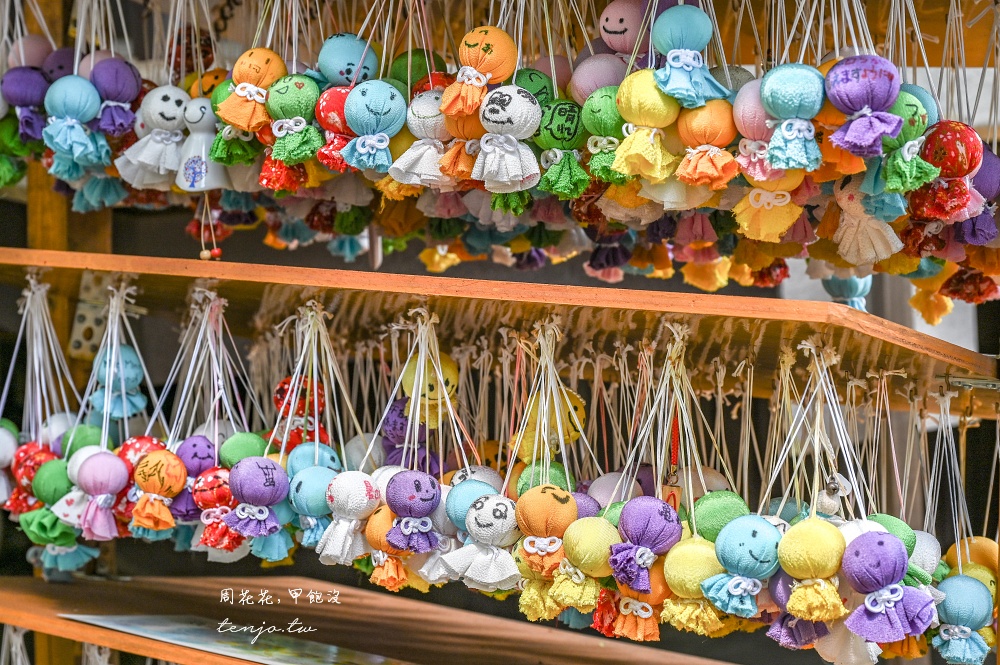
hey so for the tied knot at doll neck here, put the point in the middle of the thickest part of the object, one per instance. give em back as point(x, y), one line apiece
point(166, 136)
point(105, 500)
point(644, 557)
point(632, 606)
point(794, 128)
point(229, 133)
point(817, 581)
point(189, 483)
point(744, 586)
point(471, 76)
point(249, 511)
point(542, 545)
point(372, 143)
point(710, 150)
point(214, 515)
point(864, 112)
point(412, 525)
point(755, 150)
point(950, 631)
point(434, 144)
point(157, 497)
point(379, 558)
point(58, 550)
point(307, 521)
point(761, 198)
point(911, 149)
point(552, 156)
point(498, 143)
point(108, 103)
point(471, 146)
point(629, 128)
point(571, 571)
point(252, 92)
point(286, 126)
point(596, 144)
point(686, 59)
point(883, 599)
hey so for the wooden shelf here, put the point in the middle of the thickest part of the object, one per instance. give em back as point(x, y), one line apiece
point(726, 327)
point(379, 623)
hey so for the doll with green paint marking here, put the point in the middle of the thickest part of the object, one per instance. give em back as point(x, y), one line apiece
point(903, 169)
point(291, 103)
point(231, 145)
point(561, 135)
point(602, 119)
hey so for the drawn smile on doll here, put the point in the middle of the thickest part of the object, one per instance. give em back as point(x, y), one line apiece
point(482, 525)
point(194, 121)
point(555, 492)
point(374, 112)
point(759, 559)
point(614, 32)
point(168, 118)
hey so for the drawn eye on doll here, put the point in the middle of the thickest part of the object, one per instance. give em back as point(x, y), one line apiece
point(416, 485)
point(500, 512)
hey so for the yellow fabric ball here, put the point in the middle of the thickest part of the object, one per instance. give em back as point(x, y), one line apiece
point(811, 549)
point(640, 101)
point(281, 460)
point(588, 542)
point(980, 550)
point(431, 390)
point(688, 564)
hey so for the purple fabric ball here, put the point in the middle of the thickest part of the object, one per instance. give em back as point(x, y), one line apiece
point(979, 230)
point(864, 87)
point(413, 494)
point(874, 560)
point(644, 476)
point(395, 421)
point(609, 256)
point(987, 179)
point(646, 523)
point(533, 259)
point(24, 86)
point(59, 63)
point(794, 633)
point(586, 505)
point(662, 229)
point(118, 83)
point(197, 453)
point(410, 457)
point(258, 481)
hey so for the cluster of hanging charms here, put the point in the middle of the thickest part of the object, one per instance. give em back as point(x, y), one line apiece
point(605, 481)
point(487, 131)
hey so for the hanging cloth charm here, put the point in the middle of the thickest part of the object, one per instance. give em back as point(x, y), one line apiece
point(681, 33)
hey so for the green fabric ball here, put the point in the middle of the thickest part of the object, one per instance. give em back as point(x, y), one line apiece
point(612, 512)
point(418, 69)
point(561, 126)
point(532, 477)
point(898, 528)
point(51, 481)
point(240, 446)
point(81, 436)
point(600, 113)
point(398, 85)
point(914, 117)
point(10, 137)
point(221, 93)
point(292, 96)
point(9, 425)
point(446, 229)
point(542, 237)
point(12, 170)
point(717, 509)
point(537, 83)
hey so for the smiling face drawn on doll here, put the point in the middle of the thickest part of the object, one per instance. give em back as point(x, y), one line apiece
point(426, 105)
point(412, 494)
point(495, 108)
point(198, 115)
point(163, 107)
point(749, 536)
point(345, 59)
point(491, 521)
point(511, 109)
point(620, 27)
point(559, 495)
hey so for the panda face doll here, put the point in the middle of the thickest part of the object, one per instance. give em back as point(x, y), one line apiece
point(491, 521)
point(511, 110)
point(424, 117)
point(163, 108)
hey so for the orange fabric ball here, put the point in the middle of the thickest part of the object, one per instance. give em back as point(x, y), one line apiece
point(545, 510)
point(255, 70)
point(491, 54)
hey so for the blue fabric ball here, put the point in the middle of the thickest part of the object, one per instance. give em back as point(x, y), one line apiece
point(343, 57)
point(748, 546)
point(127, 363)
point(967, 602)
point(73, 97)
point(926, 98)
point(460, 499)
point(304, 456)
point(307, 490)
point(375, 107)
point(793, 91)
point(682, 27)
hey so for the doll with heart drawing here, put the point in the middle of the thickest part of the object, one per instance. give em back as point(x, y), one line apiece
point(152, 162)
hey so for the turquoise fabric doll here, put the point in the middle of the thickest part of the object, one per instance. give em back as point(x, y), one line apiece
point(375, 111)
point(71, 102)
point(307, 496)
point(793, 94)
point(681, 33)
point(748, 549)
point(276, 546)
point(966, 608)
point(344, 59)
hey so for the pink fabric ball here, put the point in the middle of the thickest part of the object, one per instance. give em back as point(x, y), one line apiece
point(620, 23)
point(597, 45)
point(35, 47)
point(103, 473)
point(596, 72)
point(563, 70)
point(749, 114)
point(88, 61)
